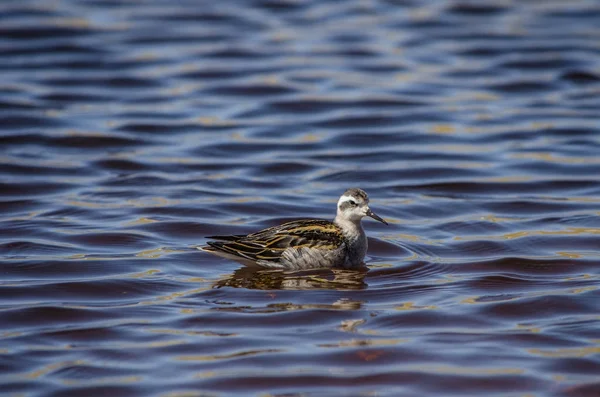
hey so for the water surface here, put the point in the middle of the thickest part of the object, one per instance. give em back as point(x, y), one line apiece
point(129, 131)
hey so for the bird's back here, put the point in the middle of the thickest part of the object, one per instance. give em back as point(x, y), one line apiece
point(301, 244)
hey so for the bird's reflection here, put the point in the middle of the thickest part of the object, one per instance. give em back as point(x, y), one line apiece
point(256, 278)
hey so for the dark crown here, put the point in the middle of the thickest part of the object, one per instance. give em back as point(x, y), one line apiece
point(357, 193)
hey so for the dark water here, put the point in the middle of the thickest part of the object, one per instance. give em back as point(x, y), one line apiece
point(132, 129)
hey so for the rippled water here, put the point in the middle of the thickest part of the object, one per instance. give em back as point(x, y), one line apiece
point(131, 130)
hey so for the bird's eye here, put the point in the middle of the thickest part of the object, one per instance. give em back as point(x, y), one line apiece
point(352, 203)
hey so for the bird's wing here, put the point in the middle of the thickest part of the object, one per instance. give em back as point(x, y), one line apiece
point(269, 244)
point(234, 237)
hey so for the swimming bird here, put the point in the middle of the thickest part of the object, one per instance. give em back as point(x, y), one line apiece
point(305, 243)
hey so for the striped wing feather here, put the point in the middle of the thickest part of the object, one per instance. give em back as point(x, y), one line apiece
point(269, 244)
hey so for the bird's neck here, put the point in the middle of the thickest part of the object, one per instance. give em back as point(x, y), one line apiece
point(352, 229)
point(356, 241)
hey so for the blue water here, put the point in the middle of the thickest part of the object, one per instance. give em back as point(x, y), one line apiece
point(129, 131)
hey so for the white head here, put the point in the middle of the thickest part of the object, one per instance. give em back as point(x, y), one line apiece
point(353, 205)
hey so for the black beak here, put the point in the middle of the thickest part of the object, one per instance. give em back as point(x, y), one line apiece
point(375, 216)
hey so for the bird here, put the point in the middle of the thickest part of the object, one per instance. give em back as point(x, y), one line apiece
point(305, 243)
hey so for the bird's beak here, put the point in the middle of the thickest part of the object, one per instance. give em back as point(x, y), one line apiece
point(375, 216)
